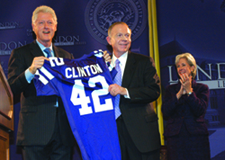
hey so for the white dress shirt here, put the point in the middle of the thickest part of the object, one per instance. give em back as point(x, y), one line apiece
point(123, 61)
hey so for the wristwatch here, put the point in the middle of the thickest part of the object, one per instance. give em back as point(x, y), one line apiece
point(189, 93)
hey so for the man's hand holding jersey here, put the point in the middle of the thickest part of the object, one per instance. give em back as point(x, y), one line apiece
point(37, 64)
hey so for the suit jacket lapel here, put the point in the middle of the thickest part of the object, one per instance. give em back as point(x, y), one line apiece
point(35, 49)
point(56, 51)
point(129, 70)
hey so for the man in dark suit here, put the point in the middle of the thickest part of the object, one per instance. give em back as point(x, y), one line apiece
point(43, 130)
point(138, 123)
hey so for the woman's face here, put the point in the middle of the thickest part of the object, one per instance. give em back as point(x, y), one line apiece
point(183, 67)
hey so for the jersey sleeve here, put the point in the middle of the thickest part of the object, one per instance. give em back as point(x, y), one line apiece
point(44, 83)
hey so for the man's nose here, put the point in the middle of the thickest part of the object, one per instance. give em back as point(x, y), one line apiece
point(46, 25)
point(124, 37)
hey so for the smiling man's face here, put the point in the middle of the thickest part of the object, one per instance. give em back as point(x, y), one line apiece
point(120, 39)
point(44, 28)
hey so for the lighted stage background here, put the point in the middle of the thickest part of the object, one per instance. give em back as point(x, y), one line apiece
point(195, 26)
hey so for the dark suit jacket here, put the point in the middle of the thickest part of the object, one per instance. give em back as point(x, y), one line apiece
point(37, 114)
point(142, 82)
point(189, 111)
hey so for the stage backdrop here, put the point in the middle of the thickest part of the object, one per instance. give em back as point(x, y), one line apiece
point(197, 26)
point(82, 28)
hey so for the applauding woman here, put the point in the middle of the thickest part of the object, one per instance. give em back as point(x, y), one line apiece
point(184, 106)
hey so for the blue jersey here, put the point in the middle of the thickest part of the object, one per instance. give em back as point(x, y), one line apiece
point(83, 86)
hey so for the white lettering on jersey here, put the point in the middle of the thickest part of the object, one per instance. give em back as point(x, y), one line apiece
point(70, 73)
point(100, 92)
point(55, 61)
point(87, 71)
point(78, 96)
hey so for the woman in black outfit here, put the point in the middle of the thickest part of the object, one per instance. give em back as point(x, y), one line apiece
point(184, 107)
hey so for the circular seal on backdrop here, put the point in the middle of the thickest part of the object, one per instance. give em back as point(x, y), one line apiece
point(100, 14)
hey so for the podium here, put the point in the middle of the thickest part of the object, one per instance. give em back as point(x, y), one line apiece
point(6, 116)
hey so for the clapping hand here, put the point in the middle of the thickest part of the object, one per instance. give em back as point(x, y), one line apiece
point(186, 85)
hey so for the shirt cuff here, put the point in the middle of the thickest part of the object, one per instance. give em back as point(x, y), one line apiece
point(29, 76)
point(127, 96)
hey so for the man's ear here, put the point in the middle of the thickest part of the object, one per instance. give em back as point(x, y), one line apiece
point(108, 40)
